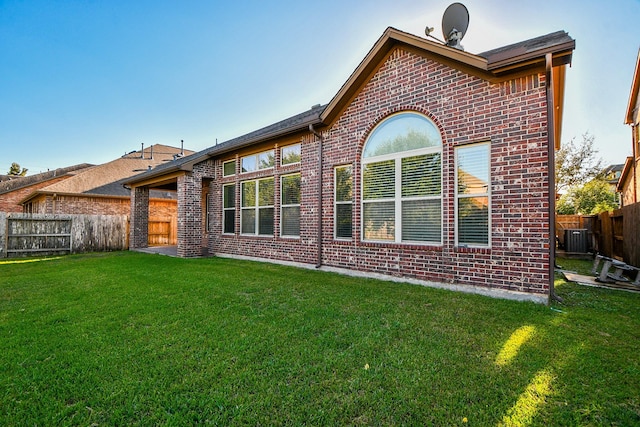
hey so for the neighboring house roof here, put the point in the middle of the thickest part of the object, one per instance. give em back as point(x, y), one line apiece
point(107, 179)
point(627, 171)
point(16, 183)
point(612, 174)
point(633, 107)
point(285, 127)
point(495, 66)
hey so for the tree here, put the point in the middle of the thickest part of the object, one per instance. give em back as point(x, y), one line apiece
point(577, 163)
point(15, 170)
point(592, 198)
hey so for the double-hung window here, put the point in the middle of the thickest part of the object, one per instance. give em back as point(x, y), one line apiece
point(472, 195)
point(256, 209)
point(229, 208)
point(290, 206)
point(343, 208)
point(402, 181)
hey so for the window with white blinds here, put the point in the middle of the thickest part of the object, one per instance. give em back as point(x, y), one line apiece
point(402, 181)
point(290, 206)
point(472, 195)
point(256, 207)
point(343, 202)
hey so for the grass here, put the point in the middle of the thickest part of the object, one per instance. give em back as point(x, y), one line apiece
point(135, 339)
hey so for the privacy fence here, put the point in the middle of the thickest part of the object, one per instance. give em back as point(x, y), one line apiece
point(613, 234)
point(32, 234)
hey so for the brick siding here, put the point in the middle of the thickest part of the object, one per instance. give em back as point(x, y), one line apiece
point(10, 201)
point(139, 220)
point(510, 115)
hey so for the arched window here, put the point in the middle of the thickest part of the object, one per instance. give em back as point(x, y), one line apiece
point(402, 181)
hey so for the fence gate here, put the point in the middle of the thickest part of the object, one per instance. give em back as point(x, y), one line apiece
point(159, 232)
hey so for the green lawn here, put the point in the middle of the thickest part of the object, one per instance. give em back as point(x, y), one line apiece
point(135, 339)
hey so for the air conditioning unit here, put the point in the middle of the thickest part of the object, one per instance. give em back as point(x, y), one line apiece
point(575, 240)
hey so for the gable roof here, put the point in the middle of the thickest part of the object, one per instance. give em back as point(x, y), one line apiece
point(16, 183)
point(627, 171)
point(107, 179)
point(495, 66)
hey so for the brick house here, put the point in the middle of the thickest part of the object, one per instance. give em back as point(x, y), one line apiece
point(430, 164)
point(628, 182)
point(100, 190)
point(13, 189)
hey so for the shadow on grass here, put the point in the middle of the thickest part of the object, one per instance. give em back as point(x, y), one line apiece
point(140, 339)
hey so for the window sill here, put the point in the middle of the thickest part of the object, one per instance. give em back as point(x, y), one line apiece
point(472, 249)
point(401, 245)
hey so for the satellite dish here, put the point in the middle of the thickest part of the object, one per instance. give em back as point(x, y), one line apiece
point(454, 24)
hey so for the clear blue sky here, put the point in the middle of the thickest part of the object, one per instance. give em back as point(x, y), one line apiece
point(87, 81)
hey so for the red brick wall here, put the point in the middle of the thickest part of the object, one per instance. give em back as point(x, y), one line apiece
point(89, 205)
point(303, 249)
point(10, 202)
point(511, 115)
point(139, 219)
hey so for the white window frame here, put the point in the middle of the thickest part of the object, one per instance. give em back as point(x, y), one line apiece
point(459, 196)
point(256, 208)
point(294, 205)
point(337, 202)
point(228, 209)
point(398, 198)
point(256, 158)
point(282, 150)
point(234, 168)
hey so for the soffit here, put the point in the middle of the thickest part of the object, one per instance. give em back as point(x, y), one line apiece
point(633, 107)
point(497, 65)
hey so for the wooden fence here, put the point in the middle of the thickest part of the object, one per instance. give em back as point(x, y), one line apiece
point(32, 234)
point(575, 222)
point(163, 231)
point(617, 234)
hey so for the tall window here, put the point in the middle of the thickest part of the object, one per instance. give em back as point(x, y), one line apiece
point(290, 206)
point(257, 207)
point(343, 188)
point(402, 181)
point(472, 195)
point(229, 208)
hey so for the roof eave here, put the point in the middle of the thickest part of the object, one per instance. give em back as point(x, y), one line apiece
point(562, 55)
point(632, 108)
point(373, 60)
point(626, 171)
point(35, 194)
point(187, 164)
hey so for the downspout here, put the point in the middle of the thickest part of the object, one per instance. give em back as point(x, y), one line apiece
point(551, 136)
point(321, 140)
